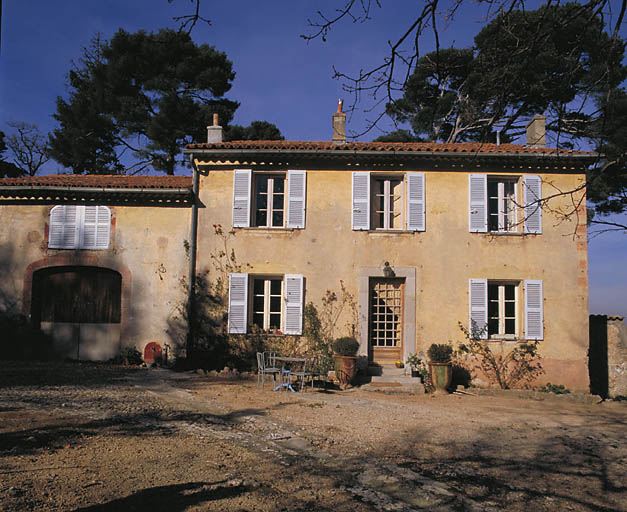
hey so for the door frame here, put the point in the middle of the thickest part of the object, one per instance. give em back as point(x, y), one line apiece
point(409, 307)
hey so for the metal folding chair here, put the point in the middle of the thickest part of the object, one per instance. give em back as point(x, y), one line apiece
point(265, 365)
point(305, 373)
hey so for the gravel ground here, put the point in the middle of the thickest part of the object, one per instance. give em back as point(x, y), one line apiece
point(106, 438)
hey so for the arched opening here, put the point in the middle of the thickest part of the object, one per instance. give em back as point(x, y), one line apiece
point(80, 307)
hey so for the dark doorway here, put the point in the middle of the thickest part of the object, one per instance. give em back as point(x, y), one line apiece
point(80, 307)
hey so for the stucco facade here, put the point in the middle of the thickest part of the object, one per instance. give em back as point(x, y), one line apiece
point(434, 265)
point(144, 250)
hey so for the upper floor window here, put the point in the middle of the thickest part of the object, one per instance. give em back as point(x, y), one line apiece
point(502, 204)
point(269, 200)
point(79, 227)
point(388, 202)
point(495, 205)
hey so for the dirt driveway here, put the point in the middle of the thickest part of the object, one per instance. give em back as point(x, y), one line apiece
point(103, 438)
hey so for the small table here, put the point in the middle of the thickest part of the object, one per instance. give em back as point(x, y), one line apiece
point(286, 371)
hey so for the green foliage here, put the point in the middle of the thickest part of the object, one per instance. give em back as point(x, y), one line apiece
point(128, 356)
point(346, 346)
point(507, 369)
point(413, 360)
point(400, 135)
point(440, 353)
point(258, 130)
point(143, 93)
point(557, 389)
point(558, 60)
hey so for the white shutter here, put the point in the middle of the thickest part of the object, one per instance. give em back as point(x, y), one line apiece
point(103, 227)
point(478, 203)
point(296, 185)
point(241, 197)
point(90, 218)
point(479, 307)
point(293, 304)
point(532, 186)
point(361, 201)
point(415, 201)
point(96, 227)
point(238, 303)
point(64, 227)
point(533, 310)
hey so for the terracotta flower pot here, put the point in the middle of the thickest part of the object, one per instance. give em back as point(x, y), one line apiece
point(441, 375)
point(345, 369)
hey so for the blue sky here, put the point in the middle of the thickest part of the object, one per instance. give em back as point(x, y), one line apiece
point(279, 77)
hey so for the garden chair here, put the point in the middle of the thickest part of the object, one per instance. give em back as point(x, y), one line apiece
point(305, 373)
point(265, 365)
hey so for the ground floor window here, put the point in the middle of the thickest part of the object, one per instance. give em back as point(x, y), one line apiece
point(267, 310)
point(502, 310)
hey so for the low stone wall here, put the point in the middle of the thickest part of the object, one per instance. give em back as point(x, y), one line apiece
point(608, 355)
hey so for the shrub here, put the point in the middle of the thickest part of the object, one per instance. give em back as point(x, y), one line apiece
point(557, 389)
point(346, 346)
point(439, 353)
point(128, 356)
point(520, 364)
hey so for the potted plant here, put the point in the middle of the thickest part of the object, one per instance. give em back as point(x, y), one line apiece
point(345, 359)
point(414, 362)
point(440, 367)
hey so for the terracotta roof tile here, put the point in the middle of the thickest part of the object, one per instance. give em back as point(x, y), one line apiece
point(97, 180)
point(417, 147)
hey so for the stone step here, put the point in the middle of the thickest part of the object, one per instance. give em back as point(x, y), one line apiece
point(388, 378)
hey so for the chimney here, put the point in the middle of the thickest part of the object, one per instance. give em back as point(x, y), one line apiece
point(536, 132)
point(214, 133)
point(339, 125)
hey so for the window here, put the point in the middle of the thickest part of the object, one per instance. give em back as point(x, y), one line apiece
point(269, 200)
point(388, 202)
point(273, 303)
point(387, 194)
point(502, 204)
point(267, 308)
point(79, 227)
point(502, 309)
point(495, 309)
point(494, 204)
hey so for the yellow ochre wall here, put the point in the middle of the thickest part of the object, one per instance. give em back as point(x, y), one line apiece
point(146, 247)
point(445, 257)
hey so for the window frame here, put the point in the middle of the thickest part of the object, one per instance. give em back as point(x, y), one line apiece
point(267, 302)
point(502, 315)
point(388, 197)
point(270, 194)
point(502, 199)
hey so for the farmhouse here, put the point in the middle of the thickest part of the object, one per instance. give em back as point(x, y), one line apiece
point(424, 235)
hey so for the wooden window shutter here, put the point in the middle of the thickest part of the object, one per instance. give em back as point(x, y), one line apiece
point(96, 227)
point(478, 203)
point(296, 187)
point(64, 227)
point(361, 201)
point(293, 304)
point(415, 201)
point(242, 179)
point(534, 321)
point(238, 303)
point(479, 307)
point(532, 186)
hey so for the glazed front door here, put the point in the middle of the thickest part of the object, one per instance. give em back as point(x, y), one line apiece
point(386, 320)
